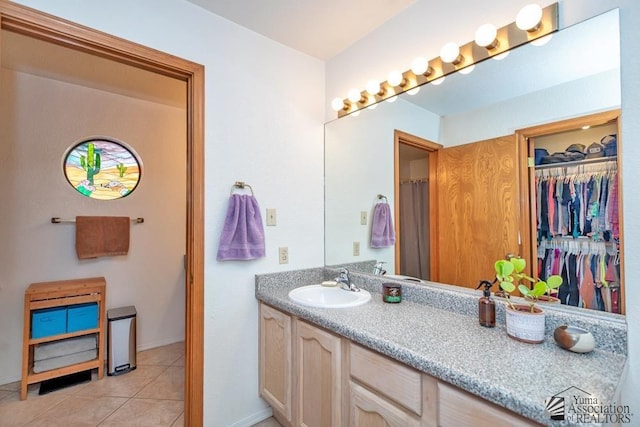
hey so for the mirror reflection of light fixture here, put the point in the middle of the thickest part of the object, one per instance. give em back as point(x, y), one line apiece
point(468, 70)
point(414, 90)
point(450, 53)
point(533, 25)
point(529, 18)
point(542, 40)
point(486, 36)
point(501, 56)
point(392, 99)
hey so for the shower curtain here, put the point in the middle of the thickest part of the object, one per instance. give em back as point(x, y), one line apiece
point(414, 229)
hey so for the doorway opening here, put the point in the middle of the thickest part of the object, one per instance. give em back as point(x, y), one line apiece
point(37, 25)
point(415, 206)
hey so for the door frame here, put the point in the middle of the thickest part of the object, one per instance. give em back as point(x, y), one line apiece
point(49, 28)
point(525, 138)
point(400, 137)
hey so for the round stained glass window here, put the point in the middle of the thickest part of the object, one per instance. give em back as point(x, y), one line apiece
point(102, 168)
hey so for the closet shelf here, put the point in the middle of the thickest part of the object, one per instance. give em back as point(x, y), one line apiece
point(577, 162)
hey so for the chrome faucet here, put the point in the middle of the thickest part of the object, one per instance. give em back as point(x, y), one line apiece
point(345, 281)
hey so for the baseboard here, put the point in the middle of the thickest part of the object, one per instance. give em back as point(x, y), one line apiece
point(9, 380)
point(254, 418)
point(154, 344)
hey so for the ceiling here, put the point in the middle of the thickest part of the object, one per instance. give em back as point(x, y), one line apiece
point(320, 28)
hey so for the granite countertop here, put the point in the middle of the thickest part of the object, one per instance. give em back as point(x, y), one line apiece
point(452, 346)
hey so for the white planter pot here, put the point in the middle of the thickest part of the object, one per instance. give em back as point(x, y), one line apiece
point(523, 325)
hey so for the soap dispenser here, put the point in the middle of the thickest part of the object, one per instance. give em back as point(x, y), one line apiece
point(486, 306)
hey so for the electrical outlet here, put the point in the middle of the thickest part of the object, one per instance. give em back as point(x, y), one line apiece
point(283, 255)
point(271, 217)
point(363, 218)
point(356, 248)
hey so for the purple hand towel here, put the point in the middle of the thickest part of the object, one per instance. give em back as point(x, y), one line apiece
point(382, 232)
point(242, 234)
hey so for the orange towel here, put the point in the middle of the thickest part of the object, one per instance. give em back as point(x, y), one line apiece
point(98, 236)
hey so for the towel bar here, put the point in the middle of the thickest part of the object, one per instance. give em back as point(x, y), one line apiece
point(56, 220)
point(241, 185)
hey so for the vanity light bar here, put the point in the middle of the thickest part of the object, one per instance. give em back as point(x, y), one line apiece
point(507, 38)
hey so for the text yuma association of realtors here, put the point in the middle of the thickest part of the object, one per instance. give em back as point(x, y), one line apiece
point(581, 409)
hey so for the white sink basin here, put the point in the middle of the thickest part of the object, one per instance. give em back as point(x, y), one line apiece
point(328, 297)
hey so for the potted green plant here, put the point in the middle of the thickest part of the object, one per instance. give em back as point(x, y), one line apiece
point(525, 322)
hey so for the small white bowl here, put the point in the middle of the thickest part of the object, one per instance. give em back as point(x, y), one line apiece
point(574, 339)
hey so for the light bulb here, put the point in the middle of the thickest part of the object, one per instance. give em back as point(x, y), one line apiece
point(414, 90)
point(395, 78)
point(542, 40)
point(486, 36)
point(372, 106)
point(392, 99)
point(437, 81)
point(419, 65)
point(337, 104)
point(354, 95)
point(467, 70)
point(449, 53)
point(373, 87)
point(355, 114)
point(529, 17)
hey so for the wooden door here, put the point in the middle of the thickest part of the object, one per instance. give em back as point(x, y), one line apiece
point(478, 209)
point(275, 361)
point(318, 377)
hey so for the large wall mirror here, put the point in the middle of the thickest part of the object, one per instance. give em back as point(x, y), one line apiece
point(576, 73)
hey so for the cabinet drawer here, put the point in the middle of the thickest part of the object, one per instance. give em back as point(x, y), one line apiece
point(392, 379)
point(459, 408)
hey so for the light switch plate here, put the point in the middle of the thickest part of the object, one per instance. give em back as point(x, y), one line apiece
point(363, 218)
point(356, 248)
point(271, 217)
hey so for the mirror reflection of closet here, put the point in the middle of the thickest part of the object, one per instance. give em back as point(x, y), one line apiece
point(575, 220)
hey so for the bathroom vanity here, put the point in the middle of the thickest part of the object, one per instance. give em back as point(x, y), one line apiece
point(423, 362)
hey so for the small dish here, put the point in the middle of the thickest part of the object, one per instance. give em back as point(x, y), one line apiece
point(574, 339)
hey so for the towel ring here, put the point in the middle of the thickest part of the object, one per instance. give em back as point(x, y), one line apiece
point(241, 185)
point(380, 197)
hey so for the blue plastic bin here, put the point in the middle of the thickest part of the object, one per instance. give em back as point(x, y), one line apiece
point(48, 321)
point(82, 316)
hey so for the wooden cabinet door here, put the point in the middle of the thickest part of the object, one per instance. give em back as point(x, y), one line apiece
point(275, 360)
point(369, 410)
point(318, 377)
point(478, 209)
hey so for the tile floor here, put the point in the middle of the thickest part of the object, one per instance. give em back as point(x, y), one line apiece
point(151, 395)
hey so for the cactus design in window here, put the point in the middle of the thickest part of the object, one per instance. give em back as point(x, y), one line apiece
point(102, 168)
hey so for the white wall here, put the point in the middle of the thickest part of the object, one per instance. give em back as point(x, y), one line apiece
point(426, 23)
point(264, 118)
point(40, 119)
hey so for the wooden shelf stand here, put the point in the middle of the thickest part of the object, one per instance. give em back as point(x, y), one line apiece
point(59, 294)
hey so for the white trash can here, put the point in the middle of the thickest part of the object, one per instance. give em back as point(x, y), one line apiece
point(121, 345)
